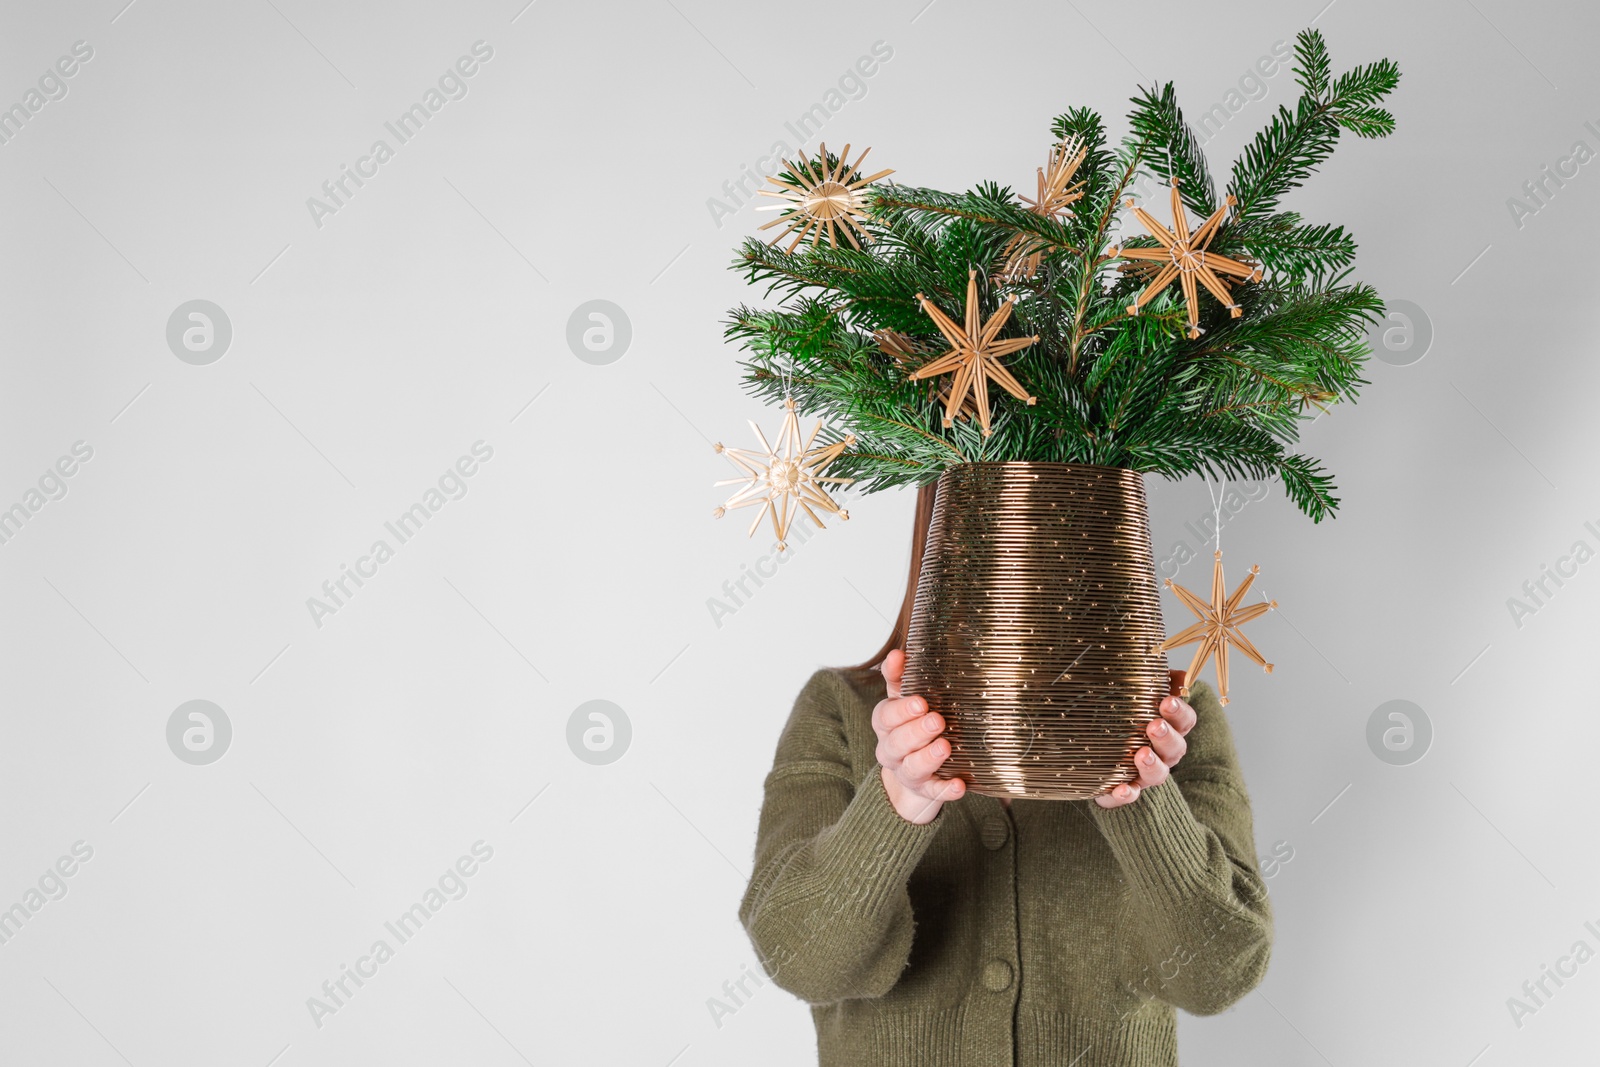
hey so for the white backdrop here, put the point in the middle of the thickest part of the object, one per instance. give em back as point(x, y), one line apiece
point(405, 341)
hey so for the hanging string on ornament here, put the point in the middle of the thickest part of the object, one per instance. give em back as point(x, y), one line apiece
point(786, 375)
point(1216, 508)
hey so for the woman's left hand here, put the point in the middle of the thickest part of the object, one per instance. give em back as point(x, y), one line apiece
point(1166, 748)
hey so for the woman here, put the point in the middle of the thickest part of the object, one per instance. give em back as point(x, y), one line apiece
point(925, 926)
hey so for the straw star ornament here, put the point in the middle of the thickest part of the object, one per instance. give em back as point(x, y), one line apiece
point(821, 199)
point(974, 355)
point(785, 480)
point(1055, 197)
point(1218, 627)
point(1183, 256)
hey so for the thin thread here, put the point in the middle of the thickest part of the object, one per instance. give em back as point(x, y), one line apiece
point(1216, 507)
point(786, 374)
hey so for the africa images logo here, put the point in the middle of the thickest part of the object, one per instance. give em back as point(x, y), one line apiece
point(452, 485)
point(451, 885)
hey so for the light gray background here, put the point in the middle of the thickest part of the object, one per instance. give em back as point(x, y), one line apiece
point(368, 354)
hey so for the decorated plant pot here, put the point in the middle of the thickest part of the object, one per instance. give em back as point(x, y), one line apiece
point(1036, 614)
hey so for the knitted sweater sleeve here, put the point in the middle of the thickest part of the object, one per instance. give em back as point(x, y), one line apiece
point(1200, 927)
point(827, 906)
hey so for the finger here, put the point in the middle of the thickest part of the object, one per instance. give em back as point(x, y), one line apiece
point(942, 789)
point(938, 791)
point(907, 738)
point(1168, 743)
point(890, 714)
point(1175, 680)
point(1122, 794)
point(919, 766)
point(1152, 771)
point(1178, 714)
point(921, 805)
point(894, 665)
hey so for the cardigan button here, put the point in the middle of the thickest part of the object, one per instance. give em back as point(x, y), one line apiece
point(995, 832)
point(996, 976)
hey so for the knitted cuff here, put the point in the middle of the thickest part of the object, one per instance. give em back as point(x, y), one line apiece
point(871, 851)
point(1156, 839)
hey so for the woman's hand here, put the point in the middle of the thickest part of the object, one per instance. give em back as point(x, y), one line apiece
point(1166, 748)
point(911, 749)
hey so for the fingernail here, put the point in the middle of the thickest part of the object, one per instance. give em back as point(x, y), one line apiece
point(1149, 758)
point(1159, 728)
point(931, 724)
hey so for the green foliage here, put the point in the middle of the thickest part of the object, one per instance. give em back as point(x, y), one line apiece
point(1112, 389)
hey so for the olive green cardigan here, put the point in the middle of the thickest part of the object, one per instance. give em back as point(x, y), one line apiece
point(1053, 933)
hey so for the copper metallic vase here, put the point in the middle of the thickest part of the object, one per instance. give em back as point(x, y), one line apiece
point(1036, 610)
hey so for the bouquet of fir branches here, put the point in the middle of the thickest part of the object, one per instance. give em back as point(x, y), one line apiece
point(941, 328)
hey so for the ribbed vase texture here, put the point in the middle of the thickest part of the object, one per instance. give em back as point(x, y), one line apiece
point(1036, 610)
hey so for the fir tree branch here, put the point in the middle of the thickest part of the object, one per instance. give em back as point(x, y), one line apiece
point(1296, 142)
point(1157, 121)
point(1094, 256)
point(922, 433)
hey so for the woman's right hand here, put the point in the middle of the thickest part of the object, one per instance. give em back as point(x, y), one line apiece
point(911, 748)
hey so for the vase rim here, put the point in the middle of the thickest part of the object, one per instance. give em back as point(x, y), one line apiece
point(1040, 463)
